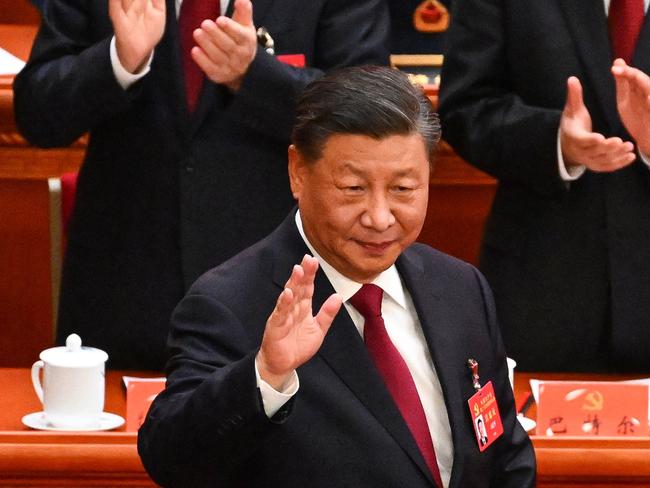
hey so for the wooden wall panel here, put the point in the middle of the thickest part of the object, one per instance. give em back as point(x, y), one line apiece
point(460, 197)
point(25, 289)
point(455, 219)
point(26, 308)
point(18, 12)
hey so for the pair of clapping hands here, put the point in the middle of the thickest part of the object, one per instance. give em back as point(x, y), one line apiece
point(225, 47)
point(583, 147)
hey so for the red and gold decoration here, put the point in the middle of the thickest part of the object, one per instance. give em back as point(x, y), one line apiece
point(431, 16)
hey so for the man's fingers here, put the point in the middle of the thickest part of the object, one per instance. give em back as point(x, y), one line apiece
point(134, 7)
point(574, 101)
point(641, 83)
point(611, 164)
point(237, 32)
point(304, 290)
point(282, 313)
point(159, 5)
point(587, 140)
point(128, 4)
point(115, 7)
point(310, 266)
point(629, 81)
point(328, 311)
point(622, 85)
point(617, 144)
point(611, 155)
point(243, 12)
point(302, 277)
point(297, 274)
point(213, 52)
point(215, 34)
point(285, 302)
point(623, 160)
point(201, 58)
point(609, 148)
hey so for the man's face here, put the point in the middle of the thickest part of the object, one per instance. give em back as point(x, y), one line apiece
point(364, 201)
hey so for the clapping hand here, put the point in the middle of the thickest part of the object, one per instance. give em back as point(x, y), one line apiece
point(138, 26)
point(633, 102)
point(227, 46)
point(580, 145)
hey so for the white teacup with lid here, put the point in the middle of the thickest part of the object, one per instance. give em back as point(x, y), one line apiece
point(72, 392)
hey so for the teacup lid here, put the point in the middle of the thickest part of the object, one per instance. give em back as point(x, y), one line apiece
point(73, 354)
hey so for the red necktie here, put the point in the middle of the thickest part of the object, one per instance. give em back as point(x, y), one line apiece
point(394, 371)
point(625, 21)
point(192, 13)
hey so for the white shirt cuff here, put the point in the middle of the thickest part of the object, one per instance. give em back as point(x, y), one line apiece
point(567, 174)
point(272, 399)
point(124, 78)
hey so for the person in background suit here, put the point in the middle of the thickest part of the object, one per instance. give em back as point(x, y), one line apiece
point(269, 381)
point(531, 95)
point(188, 126)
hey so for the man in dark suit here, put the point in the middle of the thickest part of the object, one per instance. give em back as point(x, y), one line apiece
point(174, 183)
point(530, 95)
point(262, 392)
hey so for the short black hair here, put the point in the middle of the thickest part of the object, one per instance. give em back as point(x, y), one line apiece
point(374, 101)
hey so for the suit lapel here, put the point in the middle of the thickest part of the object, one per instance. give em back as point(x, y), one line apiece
point(587, 23)
point(345, 352)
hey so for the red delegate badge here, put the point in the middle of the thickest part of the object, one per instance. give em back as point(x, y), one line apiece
point(484, 411)
point(296, 60)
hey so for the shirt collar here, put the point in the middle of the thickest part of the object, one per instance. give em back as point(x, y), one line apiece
point(388, 280)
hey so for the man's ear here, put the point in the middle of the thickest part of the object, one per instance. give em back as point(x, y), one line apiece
point(296, 171)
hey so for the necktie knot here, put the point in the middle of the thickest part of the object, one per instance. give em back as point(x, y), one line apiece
point(368, 301)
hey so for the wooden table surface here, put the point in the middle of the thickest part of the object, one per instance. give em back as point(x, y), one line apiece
point(39, 458)
point(65, 459)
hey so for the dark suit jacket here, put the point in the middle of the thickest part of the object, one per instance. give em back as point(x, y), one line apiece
point(162, 196)
point(569, 265)
point(342, 429)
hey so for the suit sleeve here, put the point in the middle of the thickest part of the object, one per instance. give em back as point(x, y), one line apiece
point(516, 460)
point(483, 117)
point(67, 86)
point(209, 419)
point(348, 34)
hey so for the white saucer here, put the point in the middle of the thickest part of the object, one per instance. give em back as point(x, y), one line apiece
point(107, 421)
point(526, 423)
